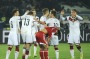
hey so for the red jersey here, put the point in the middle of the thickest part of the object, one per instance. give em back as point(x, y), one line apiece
point(51, 30)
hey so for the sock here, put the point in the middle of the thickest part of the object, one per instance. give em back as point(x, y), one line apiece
point(35, 49)
point(57, 53)
point(26, 53)
point(46, 54)
point(72, 51)
point(23, 57)
point(41, 54)
point(8, 52)
point(16, 52)
point(30, 51)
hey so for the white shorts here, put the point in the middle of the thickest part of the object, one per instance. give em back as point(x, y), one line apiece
point(27, 37)
point(54, 40)
point(33, 35)
point(74, 38)
point(13, 38)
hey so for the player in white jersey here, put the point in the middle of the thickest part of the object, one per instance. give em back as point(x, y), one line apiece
point(44, 18)
point(27, 34)
point(74, 32)
point(13, 38)
point(35, 29)
point(54, 22)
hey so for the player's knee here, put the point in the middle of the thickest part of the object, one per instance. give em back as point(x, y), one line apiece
point(78, 46)
point(56, 47)
point(17, 48)
point(27, 51)
point(35, 44)
point(10, 48)
point(71, 47)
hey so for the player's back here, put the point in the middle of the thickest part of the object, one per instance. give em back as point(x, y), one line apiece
point(14, 23)
point(27, 22)
point(53, 22)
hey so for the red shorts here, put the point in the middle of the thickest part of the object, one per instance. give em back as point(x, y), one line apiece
point(40, 38)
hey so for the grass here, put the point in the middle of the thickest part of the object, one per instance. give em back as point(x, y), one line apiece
point(63, 51)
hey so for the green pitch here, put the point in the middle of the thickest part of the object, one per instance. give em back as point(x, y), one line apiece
point(63, 48)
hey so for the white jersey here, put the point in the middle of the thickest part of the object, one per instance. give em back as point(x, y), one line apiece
point(35, 25)
point(13, 38)
point(27, 23)
point(43, 19)
point(53, 22)
point(14, 23)
point(74, 27)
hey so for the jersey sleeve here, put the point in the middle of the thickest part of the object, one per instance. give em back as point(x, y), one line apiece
point(79, 17)
point(42, 19)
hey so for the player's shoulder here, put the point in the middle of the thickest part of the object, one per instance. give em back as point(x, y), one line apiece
point(68, 17)
point(43, 18)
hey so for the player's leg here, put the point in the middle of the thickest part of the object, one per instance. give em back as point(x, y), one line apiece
point(8, 51)
point(29, 41)
point(77, 42)
point(10, 45)
point(35, 49)
point(70, 41)
point(35, 44)
point(54, 41)
point(72, 51)
point(43, 45)
point(24, 49)
point(27, 50)
point(16, 52)
point(44, 51)
point(56, 51)
point(80, 49)
point(24, 46)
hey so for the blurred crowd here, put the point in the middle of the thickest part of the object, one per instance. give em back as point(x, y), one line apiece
point(6, 6)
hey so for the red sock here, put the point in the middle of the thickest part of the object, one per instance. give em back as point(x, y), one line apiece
point(46, 54)
point(42, 54)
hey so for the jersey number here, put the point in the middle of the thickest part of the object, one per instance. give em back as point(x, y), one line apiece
point(55, 24)
point(26, 22)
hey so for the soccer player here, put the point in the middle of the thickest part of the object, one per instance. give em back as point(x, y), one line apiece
point(54, 22)
point(43, 42)
point(74, 32)
point(13, 38)
point(34, 30)
point(44, 17)
point(27, 34)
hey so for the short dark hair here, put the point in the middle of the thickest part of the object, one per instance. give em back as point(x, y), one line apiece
point(45, 10)
point(74, 10)
point(14, 11)
point(54, 12)
point(30, 13)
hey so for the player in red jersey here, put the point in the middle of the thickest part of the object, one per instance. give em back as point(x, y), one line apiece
point(43, 42)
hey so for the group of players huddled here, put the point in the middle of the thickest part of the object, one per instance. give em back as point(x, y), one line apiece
point(42, 32)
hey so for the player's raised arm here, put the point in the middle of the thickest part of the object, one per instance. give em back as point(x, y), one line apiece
point(79, 17)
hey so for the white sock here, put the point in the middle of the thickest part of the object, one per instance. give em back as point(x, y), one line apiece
point(7, 54)
point(30, 52)
point(24, 51)
point(16, 54)
point(35, 49)
point(72, 53)
point(26, 56)
point(57, 54)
